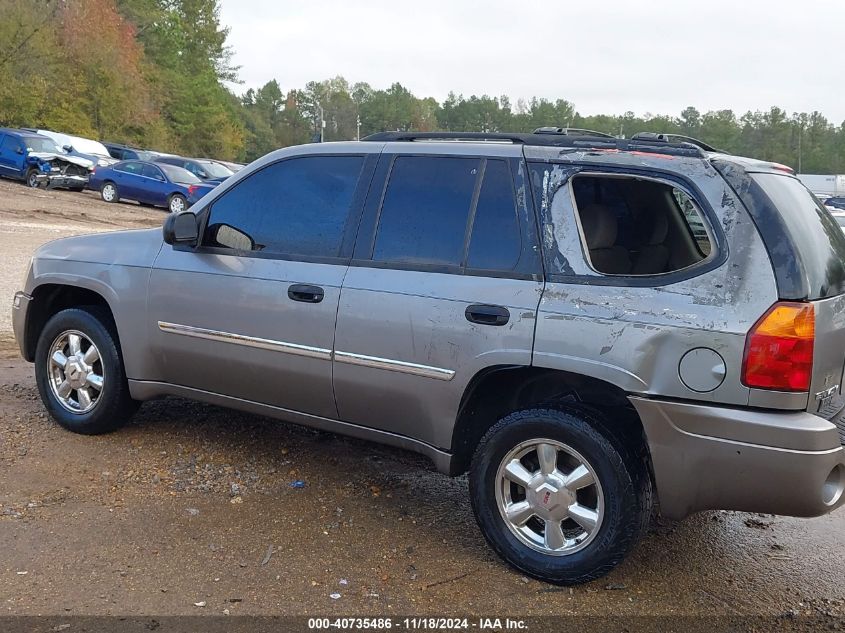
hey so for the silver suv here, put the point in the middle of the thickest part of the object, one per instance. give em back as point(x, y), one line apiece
point(591, 327)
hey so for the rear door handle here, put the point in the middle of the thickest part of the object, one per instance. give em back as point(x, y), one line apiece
point(306, 293)
point(487, 314)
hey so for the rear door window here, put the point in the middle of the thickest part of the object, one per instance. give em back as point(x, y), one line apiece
point(496, 242)
point(130, 168)
point(151, 171)
point(424, 213)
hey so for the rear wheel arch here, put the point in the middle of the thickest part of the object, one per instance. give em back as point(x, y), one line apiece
point(50, 298)
point(495, 392)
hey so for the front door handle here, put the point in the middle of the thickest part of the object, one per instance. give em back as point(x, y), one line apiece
point(306, 293)
point(487, 314)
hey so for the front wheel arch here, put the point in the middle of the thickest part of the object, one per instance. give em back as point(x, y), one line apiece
point(49, 299)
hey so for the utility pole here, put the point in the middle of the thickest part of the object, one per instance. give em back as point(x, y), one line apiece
point(358, 124)
point(800, 135)
point(322, 124)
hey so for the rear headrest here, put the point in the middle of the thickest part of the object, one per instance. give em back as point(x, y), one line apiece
point(599, 225)
point(659, 229)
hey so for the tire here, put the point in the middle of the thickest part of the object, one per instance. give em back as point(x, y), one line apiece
point(619, 499)
point(109, 192)
point(31, 180)
point(102, 410)
point(177, 203)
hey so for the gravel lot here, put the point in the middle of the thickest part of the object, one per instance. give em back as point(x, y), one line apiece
point(192, 505)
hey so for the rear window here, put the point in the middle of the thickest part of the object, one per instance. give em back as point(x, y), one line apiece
point(817, 238)
point(177, 174)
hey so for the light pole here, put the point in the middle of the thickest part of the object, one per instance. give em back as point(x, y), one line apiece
point(322, 124)
point(358, 124)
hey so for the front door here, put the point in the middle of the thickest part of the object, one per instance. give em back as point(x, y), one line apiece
point(445, 283)
point(251, 312)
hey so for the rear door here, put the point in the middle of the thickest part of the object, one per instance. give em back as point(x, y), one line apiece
point(445, 282)
point(251, 312)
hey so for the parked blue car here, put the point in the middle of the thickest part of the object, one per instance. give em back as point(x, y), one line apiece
point(37, 160)
point(150, 184)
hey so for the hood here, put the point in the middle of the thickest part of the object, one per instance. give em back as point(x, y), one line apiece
point(75, 160)
point(137, 247)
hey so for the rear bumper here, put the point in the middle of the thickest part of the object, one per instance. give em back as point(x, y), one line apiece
point(707, 457)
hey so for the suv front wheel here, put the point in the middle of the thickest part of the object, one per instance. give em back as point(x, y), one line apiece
point(557, 495)
point(79, 372)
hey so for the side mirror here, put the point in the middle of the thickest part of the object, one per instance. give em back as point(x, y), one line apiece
point(228, 236)
point(68, 148)
point(181, 228)
point(202, 174)
point(20, 150)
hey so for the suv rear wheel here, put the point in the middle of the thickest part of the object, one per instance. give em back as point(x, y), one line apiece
point(80, 372)
point(557, 495)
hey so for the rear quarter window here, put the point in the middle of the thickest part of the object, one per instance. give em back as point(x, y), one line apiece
point(817, 239)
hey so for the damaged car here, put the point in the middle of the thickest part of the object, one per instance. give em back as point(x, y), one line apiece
point(38, 161)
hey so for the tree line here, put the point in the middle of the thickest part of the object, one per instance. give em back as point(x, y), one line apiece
point(156, 73)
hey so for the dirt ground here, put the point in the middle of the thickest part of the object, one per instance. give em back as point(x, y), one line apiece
point(190, 510)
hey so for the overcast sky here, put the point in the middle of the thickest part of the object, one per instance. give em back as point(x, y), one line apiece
point(605, 56)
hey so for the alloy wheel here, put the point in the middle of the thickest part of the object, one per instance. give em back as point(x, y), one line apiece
point(76, 376)
point(549, 496)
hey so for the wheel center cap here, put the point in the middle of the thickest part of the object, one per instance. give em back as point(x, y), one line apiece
point(549, 498)
point(76, 373)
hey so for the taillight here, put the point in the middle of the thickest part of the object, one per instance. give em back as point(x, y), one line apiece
point(191, 189)
point(779, 348)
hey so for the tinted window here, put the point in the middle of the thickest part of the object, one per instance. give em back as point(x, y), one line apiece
point(293, 207)
point(151, 171)
point(177, 174)
point(132, 168)
point(496, 243)
point(424, 213)
point(10, 143)
point(817, 238)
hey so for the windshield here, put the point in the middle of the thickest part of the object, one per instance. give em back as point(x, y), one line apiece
point(177, 174)
point(35, 144)
point(817, 238)
point(215, 170)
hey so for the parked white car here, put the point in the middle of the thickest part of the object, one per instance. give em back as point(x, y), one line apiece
point(94, 151)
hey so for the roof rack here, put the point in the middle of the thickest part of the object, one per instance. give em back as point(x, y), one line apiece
point(386, 137)
point(582, 141)
point(663, 137)
point(571, 131)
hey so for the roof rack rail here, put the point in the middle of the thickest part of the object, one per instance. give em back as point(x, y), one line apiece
point(567, 142)
point(386, 137)
point(663, 137)
point(571, 131)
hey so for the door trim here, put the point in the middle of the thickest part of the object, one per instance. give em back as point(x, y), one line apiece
point(404, 367)
point(361, 360)
point(247, 341)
